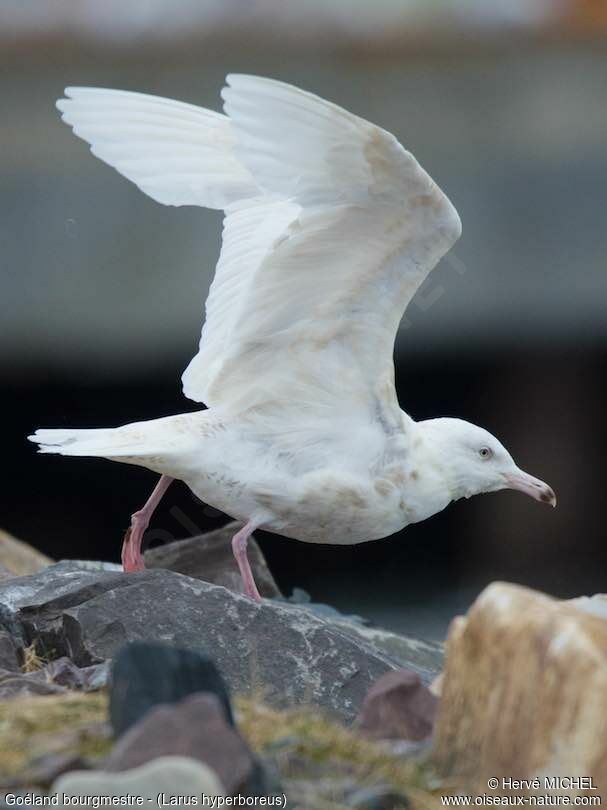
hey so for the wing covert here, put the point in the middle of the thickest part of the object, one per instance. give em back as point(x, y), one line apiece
point(353, 227)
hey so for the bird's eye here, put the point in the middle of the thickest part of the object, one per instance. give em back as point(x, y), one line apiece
point(485, 453)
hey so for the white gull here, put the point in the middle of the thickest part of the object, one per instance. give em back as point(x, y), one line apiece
point(330, 227)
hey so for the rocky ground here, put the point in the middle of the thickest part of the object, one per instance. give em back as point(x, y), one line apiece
point(161, 681)
point(102, 671)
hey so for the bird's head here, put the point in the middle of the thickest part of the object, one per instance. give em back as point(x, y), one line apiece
point(474, 461)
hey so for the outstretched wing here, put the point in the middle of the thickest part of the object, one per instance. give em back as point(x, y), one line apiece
point(330, 228)
point(314, 277)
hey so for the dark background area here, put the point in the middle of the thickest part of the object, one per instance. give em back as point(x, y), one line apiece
point(102, 292)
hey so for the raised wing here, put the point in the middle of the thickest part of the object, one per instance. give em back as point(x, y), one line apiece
point(314, 277)
point(330, 228)
point(177, 153)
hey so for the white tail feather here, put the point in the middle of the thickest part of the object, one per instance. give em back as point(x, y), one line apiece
point(163, 445)
point(96, 442)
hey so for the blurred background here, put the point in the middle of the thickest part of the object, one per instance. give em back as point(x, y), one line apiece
point(102, 290)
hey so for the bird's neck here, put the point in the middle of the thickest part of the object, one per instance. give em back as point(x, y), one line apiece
point(432, 445)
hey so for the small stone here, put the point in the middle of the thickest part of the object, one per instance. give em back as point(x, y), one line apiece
point(172, 775)
point(97, 676)
point(196, 728)
point(64, 672)
point(377, 798)
point(398, 706)
point(13, 684)
point(145, 674)
point(209, 557)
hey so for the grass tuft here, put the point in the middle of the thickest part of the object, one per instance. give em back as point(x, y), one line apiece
point(32, 661)
point(306, 744)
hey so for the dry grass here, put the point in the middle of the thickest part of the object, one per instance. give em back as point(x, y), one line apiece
point(307, 749)
point(32, 661)
point(319, 746)
point(33, 725)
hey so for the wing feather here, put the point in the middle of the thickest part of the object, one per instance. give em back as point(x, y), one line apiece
point(319, 294)
point(330, 227)
point(251, 230)
point(177, 153)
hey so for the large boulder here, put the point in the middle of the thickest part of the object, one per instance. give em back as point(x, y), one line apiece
point(425, 657)
point(18, 558)
point(287, 652)
point(524, 694)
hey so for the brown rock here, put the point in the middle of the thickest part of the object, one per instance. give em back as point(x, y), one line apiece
point(209, 557)
point(398, 707)
point(524, 692)
point(195, 728)
point(19, 558)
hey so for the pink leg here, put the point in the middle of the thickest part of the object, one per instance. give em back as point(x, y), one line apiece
point(239, 547)
point(132, 559)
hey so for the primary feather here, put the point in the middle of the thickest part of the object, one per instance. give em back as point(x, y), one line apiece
point(177, 153)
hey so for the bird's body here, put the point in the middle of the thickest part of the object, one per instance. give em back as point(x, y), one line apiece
point(330, 227)
point(339, 488)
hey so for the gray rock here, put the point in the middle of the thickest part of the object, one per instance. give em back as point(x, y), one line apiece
point(13, 628)
point(5, 573)
point(64, 672)
point(209, 557)
point(90, 565)
point(406, 650)
point(146, 674)
point(8, 652)
point(425, 657)
point(53, 588)
point(96, 677)
point(286, 651)
point(290, 654)
point(13, 684)
point(172, 775)
point(54, 678)
point(303, 599)
point(377, 798)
